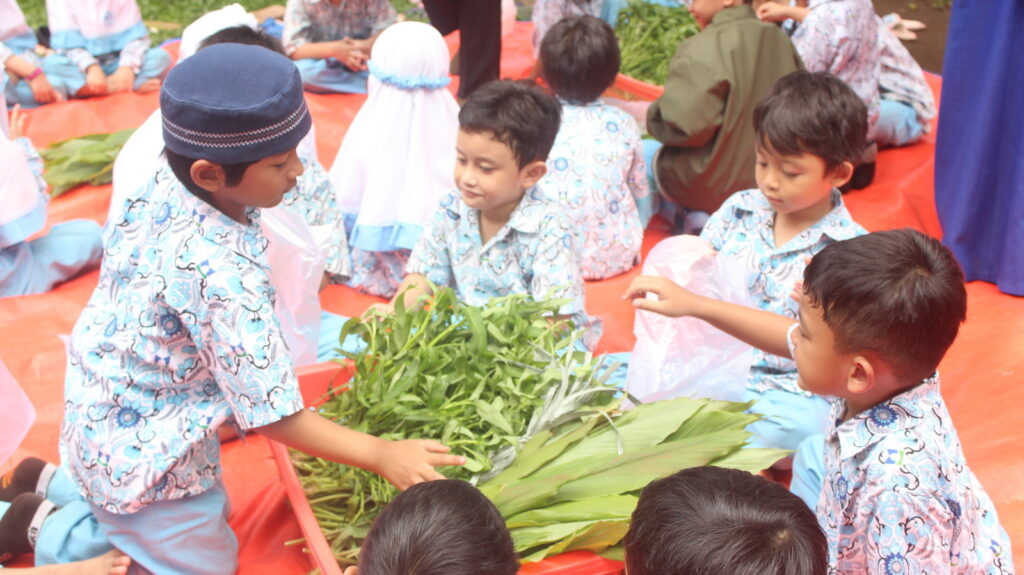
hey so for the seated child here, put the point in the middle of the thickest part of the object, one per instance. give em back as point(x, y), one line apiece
point(877, 314)
point(180, 338)
point(711, 520)
point(103, 47)
point(498, 233)
point(702, 121)
point(596, 166)
point(907, 105)
point(444, 527)
point(31, 266)
point(28, 84)
point(810, 128)
point(330, 41)
point(411, 114)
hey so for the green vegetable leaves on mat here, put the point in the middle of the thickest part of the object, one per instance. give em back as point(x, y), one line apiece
point(648, 37)
point(85, 160)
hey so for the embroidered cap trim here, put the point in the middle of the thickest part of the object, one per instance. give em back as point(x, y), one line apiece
point(237, 139)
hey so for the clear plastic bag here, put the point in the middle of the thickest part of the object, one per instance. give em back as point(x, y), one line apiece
point(16, 413)
point(296, 268)
point(677, 357)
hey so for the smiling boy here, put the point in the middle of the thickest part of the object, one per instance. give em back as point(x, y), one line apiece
point(497, 234)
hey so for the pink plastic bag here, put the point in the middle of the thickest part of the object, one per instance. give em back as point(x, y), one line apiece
point(677, 357)
point(16, 414)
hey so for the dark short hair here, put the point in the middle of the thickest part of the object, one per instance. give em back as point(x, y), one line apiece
point(243, 34)
point(814, 113)
point(444, 527)
point(518, 114)
point(182, 168)
point(899, 294)
point(579, 58)
point(712, 521)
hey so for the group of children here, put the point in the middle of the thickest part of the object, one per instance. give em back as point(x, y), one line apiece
point(184, 334)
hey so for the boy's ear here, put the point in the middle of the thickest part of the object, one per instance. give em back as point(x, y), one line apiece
point(208, 176)
point(862, 375)
point(842, 174)
point(533, 172)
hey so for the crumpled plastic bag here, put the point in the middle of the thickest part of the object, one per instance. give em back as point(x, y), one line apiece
point(16, 414)
point(296, 268)
point(677, 357)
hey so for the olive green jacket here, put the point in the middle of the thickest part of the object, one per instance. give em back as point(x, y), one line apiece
point(705, 117)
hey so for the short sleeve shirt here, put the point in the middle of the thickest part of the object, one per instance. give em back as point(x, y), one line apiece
point(744, 227)
point(178, 338)
point(901, 78)
point(307, 21)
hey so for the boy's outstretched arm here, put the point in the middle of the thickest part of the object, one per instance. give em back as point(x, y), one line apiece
point(403, 463)
point(764, 330)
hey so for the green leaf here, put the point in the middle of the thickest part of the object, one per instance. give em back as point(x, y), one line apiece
point(613, 507)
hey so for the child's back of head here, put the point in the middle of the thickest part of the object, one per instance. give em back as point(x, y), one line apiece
point(444, 527)
point(579, 58)
point(516, 113)
point(897, 293)
point(814, 113)
point(715, 521)
point(243, 34)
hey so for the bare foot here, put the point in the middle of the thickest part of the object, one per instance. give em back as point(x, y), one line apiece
point(151, 85)
point(110, 563)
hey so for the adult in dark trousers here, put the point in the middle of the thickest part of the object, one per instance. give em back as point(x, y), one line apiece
point(979, 152)
point(479, 26)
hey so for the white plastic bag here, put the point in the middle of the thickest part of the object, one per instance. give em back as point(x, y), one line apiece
point(16, 414)
point(677, 357)
point(296, 268)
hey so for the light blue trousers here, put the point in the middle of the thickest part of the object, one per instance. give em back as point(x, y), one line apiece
point(809, 470)
point(331, 77)
point(789, 418)
point(36, 266)
point(64, 73)
point(897, 125)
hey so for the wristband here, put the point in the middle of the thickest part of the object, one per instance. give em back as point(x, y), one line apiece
point(35, 74)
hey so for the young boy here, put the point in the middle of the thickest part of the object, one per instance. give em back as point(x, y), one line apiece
point(809, 130)
point(711, 520)
point(596, 166)
point(499, 233)
point(877, 314)
point(703, 119)
point(180, 337)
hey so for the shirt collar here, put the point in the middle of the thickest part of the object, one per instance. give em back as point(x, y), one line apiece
point(836, 224)
point(904, 411)
point(731, 14)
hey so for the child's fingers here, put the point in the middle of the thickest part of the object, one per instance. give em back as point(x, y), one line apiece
point(643, 285)
point(433, 446)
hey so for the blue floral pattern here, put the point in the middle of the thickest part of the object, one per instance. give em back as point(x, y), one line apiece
point(744, 227)
point(178, 338)
point(898, 495)
point(307, 21)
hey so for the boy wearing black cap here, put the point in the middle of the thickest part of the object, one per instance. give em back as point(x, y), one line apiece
point(179, 336)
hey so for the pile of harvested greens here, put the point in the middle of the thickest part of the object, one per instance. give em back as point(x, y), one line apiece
point(84, 160)
point(648, 37)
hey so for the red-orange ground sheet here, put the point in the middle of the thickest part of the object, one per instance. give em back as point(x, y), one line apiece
point(981, 375)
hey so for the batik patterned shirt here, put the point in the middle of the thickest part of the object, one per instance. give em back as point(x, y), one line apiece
point(178, 338)
point(841, 37)
point(596, 169)
point(307, 21)
point(901, 78)
point(898, 497)
point(547, 13)
point(744, 227)
point(534, 253)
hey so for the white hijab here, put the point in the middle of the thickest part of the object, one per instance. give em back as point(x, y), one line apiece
point(19, 189)
point(398, 155)
point(209, 24)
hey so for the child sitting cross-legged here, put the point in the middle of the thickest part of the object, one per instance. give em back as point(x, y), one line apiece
point(596, 166)
point(877, 313)
point(717, 521)
point(499, 233)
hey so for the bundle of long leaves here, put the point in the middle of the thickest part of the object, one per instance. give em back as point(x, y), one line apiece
point(84, 160)
point(648, 36)
point(479, 380)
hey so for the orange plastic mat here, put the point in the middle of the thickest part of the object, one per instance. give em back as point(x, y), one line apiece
point(981, 374)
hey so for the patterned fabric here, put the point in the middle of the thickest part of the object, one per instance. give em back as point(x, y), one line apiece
point(308, 21)
point(314, 199)
point(547, 13)
point(898, 496)
point(841, 37)
point(35, 165)
point(901, 77)
point(378, 273)
point(596, 168)
point(131, 56)
point(744, 227)
point(178, 338)
point(534, 253)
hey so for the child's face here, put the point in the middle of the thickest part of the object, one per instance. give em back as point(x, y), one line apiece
point(821, 369)
point(704, 10)
point(263, 185)
point(797, 185)
point(488, 174)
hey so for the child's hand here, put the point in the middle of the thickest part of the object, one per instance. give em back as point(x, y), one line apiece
point(43, 91)
point(352, 54)
point(673, 300)
point(95, 82)
point(17, 129)
point(773, 12)
point(122, 80)
point(406, 463)
point(379, 309)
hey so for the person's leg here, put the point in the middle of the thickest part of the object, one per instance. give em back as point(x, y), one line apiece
point(443, 14)
point(897, 124)
point(154, 66)
point(66, 251)
point(330, 77)
point(809, 470)
point(788, 418)
point(64, 75)
point(480, 44)
point(57, 535)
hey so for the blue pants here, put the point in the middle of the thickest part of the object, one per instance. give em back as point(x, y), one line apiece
point(36, 266)
point(809, 470)
point(330, 329)
point(649, 206)
point(897, 124)
point(789, 418)
point(61, 70)
point(331, 77)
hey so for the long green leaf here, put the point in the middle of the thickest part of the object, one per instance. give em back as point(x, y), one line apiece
point(613, 507)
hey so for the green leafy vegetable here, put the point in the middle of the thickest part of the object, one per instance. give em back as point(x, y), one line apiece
point(648, 37)
point(85, 160)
